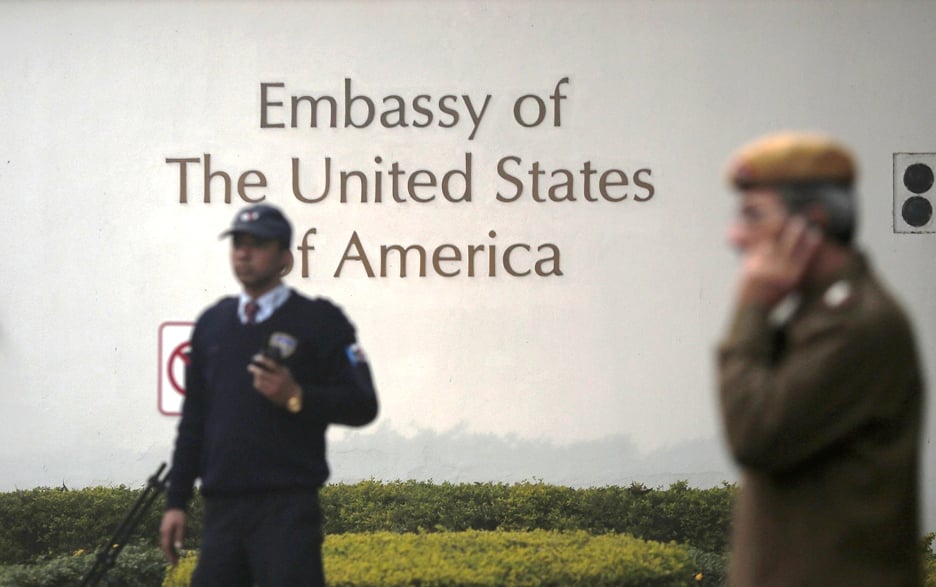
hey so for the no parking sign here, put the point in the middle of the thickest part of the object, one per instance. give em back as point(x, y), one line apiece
point(174, 344)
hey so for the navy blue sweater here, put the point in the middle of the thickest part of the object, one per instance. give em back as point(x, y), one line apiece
point(238, 441)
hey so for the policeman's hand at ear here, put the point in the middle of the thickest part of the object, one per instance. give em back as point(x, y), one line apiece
point(773, 269)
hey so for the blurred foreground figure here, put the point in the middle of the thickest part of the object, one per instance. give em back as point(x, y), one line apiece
point(819, 382)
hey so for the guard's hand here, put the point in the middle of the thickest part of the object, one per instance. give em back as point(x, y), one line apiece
point(273, 380)
point(171, 532)
point(773, 269)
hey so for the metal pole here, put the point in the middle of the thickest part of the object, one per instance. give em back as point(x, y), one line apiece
point(108, 554)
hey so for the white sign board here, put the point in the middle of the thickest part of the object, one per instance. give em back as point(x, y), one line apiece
point(173, 357)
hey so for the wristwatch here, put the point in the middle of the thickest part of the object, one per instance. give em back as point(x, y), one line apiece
point(294, 403)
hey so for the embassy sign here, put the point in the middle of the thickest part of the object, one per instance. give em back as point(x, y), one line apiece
point(401, 182)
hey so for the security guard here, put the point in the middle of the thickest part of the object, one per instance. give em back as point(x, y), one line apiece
point(820, 386)
point(269, 371)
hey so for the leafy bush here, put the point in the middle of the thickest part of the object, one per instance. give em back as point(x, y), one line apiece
point(508, 559)
point(711, 567)
point(181, 574)
point(929, 559)
point(46, 522)
point(44, 527)
point(137, 566)
point(700, 517)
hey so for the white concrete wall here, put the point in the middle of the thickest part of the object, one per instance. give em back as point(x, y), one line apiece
point(615, 352)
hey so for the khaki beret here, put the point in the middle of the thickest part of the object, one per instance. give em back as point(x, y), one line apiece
point(791, 158)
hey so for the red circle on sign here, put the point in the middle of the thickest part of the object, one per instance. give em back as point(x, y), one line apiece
point(179, 353)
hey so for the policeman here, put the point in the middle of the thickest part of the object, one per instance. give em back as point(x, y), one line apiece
point(820, 387)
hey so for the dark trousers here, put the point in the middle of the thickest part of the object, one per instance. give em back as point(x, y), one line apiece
point(271, 539)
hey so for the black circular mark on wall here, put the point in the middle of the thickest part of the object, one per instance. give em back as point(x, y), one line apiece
point(917, 211)
point(918, 178)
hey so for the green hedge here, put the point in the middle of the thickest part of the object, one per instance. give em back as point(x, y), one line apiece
point(360, 557)
point(700, 517)
point(49, 536)
point(386, 559)
point(137, 566)
point(47, 522)
point(350, 555)
point(44, 522)
point(489, 559)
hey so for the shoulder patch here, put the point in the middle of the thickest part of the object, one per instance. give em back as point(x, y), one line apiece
point(837, 294)
point(355, 354)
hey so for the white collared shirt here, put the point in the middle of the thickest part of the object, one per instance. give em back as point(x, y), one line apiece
point(268, 303)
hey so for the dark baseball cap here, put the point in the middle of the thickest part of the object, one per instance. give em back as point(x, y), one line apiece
point(262, 221)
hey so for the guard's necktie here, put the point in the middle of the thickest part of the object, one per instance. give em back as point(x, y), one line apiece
point(250, 310)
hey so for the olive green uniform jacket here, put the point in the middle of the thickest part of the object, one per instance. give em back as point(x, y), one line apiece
point(824, 418)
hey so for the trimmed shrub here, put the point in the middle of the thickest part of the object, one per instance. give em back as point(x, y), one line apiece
point(929, 559)
point(700, 517)
point(181, 574)
point(137, 566)
point(46, 522)
point(503, 559)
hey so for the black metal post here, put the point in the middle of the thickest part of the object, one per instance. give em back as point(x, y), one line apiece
point(108, 554)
